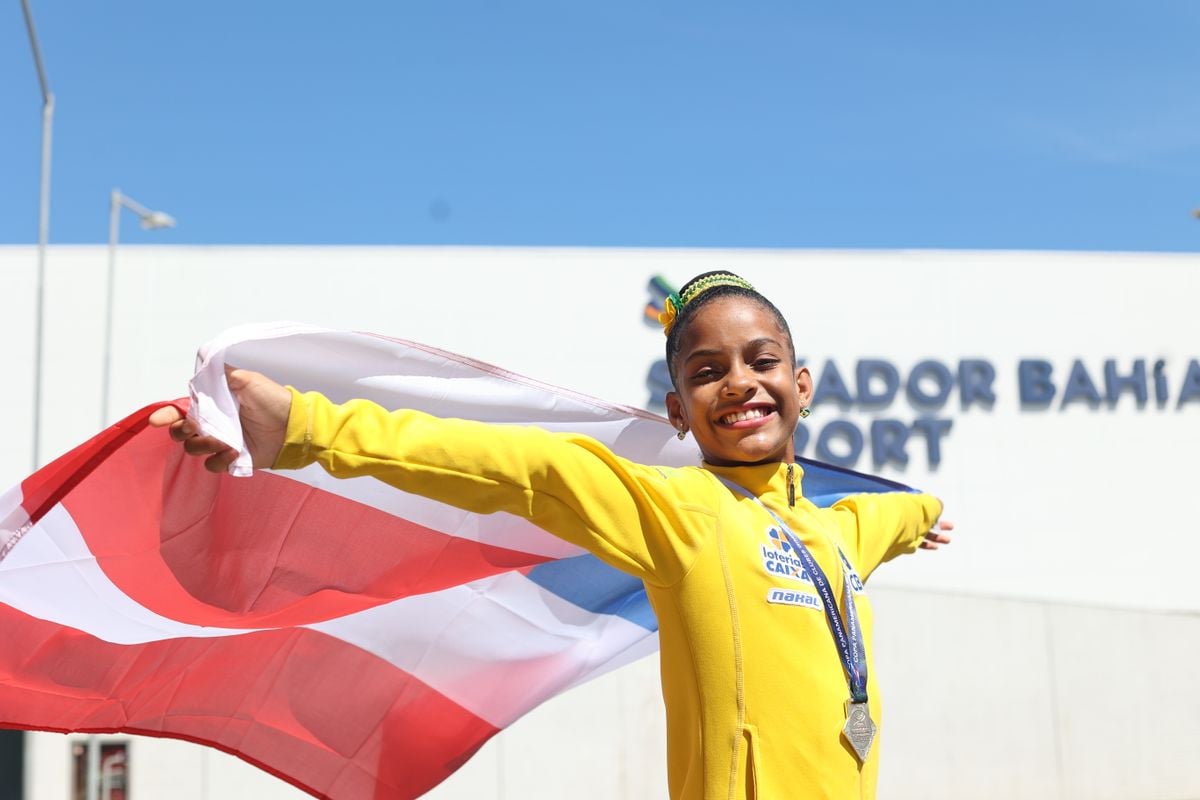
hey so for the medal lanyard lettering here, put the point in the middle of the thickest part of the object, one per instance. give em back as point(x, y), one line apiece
point(847, 636)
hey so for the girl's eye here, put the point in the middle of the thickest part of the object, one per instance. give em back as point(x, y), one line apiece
point(704, 374)
point(766, 363)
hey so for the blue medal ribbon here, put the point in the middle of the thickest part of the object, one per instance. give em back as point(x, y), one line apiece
point(846, 635)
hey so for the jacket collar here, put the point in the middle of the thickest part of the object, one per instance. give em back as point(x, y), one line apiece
point(768, 482)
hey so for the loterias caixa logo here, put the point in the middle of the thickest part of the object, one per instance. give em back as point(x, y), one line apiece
point(875, 412)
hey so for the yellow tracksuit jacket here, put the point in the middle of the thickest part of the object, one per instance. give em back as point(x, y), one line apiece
point(752, 681)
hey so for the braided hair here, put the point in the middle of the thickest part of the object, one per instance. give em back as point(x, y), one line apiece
point(681, 309)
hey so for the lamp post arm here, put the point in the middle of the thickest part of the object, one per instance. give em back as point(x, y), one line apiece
point(131, 204)
point(47, 95)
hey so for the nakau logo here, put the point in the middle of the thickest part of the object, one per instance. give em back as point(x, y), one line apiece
point(790, 597)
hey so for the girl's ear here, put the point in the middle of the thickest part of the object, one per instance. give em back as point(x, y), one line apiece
point(675, 411)
point(804, 384)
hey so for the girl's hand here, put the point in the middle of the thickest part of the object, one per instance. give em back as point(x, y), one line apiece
point(263, 408)
point(936, 536)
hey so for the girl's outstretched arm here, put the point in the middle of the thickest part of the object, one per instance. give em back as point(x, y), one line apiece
point(642, 520)
point(879, 527)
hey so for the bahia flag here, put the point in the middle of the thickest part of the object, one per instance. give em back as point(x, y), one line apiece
point(140, 593)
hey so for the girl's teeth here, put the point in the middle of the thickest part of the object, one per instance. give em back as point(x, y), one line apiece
point(739, 416)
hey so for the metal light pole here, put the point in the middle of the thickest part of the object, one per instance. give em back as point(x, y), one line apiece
point(43, 231)
point(43, 238)
point(150, 220)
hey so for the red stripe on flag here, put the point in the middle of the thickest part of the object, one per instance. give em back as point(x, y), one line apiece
point(322, 714)
point(46, 487)
point(263, 551)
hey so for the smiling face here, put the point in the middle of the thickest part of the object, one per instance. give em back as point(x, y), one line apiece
point(737, 389)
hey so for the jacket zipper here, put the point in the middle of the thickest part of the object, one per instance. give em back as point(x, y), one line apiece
point(791, 487)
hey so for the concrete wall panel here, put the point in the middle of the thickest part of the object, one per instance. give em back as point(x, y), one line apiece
point(969, 697)
point(1129, 704)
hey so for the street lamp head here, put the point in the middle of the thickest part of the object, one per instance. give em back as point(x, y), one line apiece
point(149, 218)
point(155, 220)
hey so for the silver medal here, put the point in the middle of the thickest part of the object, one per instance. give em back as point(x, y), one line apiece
point(860, 729)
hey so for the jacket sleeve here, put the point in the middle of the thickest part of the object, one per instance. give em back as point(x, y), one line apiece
point(879, 527)
point(629, 515)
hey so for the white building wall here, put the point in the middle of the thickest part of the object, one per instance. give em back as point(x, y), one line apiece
point(1037, 657)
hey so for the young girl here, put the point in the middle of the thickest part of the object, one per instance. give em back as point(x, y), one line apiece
point(764, 627)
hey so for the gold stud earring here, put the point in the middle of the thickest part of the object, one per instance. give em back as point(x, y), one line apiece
point(804, 412)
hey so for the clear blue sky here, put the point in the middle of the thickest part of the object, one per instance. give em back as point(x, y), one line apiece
point(763, 123)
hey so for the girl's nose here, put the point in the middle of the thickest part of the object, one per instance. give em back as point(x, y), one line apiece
point(738, 381)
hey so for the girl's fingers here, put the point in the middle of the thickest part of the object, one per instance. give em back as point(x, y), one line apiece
point(182, 430)
point(933, 540)
point(219, 462)
point(218, 455)
point(165, 416)
point(203, 445)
